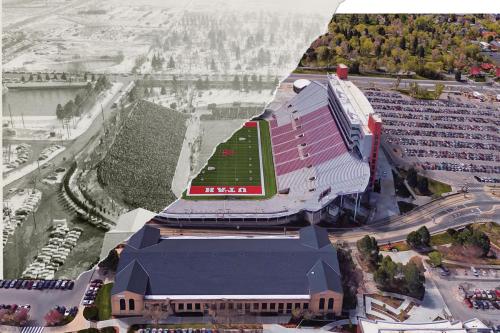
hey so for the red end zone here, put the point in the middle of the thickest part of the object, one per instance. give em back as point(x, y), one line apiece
point(250, 124)
point(225, 190)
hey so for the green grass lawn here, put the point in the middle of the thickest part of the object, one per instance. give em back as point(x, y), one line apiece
point(441, 239)
point(103, 301)
point(437, 187)
point(234, 159)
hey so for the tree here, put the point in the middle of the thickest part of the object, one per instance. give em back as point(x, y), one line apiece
point(236, 83)
point(171, 63)
point(30, 77)
point(91, 313)
point(63, 76)
point(458, 76)
point(421, 51)
point(69, 109)
point(402, 43)
point(78, 100)
point(47, 77)
point(368, 247)
point(53, 317)
point(21, 316)
point(411, 177)
point(438, 90)
point(111, 261)
point(436, 258)
point(22, 78)
point(413, 239)
point(163, 91)
point(414, 280)
point(424, 235)
point(423, 185)
point(59, 111)
point(173, 106)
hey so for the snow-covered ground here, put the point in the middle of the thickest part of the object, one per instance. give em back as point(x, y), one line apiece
point(16, 174)
point(39, 127)
point(15, 155)
point(224, 96)
point(17, 206)
point(183, 169)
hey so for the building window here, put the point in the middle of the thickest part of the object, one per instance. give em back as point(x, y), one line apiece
point(264, 306)
point(131, 304)
point(122, 304)
point(190, 306)
point(222, 306)
point(273, 306)
point(330, 304)
point(297, 305)
point(247, 306)
point(197, 306)
point(280, 306)
point(322, 303)
point(239, 306)
point(180, 306)
point(230, 306)
point(288, 307)
point(255, 306)
point(305, 306)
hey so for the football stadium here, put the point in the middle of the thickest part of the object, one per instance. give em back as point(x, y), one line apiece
point(297, 161)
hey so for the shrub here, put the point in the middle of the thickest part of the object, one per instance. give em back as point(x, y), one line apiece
point(91, 313)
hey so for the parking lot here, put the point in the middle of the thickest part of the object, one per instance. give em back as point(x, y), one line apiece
point(449, 288)
point(41, 301)
point(440, 134)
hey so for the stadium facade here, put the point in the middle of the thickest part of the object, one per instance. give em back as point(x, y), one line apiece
point(228, 275)
point(325, 141)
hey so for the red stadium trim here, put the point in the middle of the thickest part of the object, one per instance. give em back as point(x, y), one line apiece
point(226, 190)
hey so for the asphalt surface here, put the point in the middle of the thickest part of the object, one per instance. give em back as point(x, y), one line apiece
point(42, 301)
point(459, 310)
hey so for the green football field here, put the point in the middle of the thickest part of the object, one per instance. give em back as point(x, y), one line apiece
point(235, 162)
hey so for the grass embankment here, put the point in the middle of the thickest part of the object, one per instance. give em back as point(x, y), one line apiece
point(103, 301)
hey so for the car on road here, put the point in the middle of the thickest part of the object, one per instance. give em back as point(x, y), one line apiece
point(474, 271)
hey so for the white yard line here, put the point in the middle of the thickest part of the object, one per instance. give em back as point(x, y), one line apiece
point(260, 160)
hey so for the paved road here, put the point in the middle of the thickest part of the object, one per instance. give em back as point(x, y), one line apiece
point(385, 81)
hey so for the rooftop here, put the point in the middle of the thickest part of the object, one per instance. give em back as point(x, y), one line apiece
point(228, 266)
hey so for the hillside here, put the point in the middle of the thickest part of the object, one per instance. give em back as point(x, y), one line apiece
point(428, 45)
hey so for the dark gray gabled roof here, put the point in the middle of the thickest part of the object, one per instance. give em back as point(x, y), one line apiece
point(322, 277)
point(132, 278)
point(314, 237)
point(146, 236)
point(232, 266)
